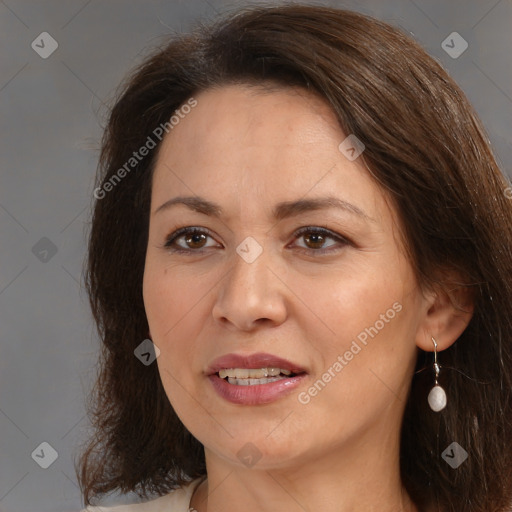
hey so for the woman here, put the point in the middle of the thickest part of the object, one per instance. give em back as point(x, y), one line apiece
point(300, 267)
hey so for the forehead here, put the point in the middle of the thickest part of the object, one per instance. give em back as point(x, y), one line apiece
point(241, 144)
point(290, 110)
point(238, 127)
point(238, 117)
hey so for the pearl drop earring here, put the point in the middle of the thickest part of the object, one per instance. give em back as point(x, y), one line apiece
point(437, 395)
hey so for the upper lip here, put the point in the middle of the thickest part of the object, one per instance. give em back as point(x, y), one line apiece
point(260, 360)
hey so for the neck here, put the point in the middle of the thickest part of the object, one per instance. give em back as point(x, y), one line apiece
point(350, 479)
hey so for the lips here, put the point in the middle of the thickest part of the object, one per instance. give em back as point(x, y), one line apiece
point(260, 360)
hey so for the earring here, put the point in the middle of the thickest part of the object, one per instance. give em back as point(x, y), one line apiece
point(437, 395)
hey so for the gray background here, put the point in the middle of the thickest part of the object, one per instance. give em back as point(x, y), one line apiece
point(51, 117)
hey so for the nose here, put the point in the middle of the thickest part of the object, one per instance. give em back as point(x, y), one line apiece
point(251, 295)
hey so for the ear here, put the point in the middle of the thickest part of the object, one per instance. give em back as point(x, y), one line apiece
point(447, 313)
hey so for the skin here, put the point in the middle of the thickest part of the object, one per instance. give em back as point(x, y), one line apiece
point(247, 149)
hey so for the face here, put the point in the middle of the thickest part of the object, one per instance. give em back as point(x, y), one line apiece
point(292, 252)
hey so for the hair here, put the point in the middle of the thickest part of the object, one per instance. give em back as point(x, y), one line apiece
point(425, 147)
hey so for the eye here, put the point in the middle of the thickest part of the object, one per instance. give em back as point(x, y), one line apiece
point(315, 239)
point(194, 239)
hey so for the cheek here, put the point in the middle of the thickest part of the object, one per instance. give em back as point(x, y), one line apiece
point(167, 303)
point(176, 314)
point(349, 300)
point(166, 300)
point(371, 321)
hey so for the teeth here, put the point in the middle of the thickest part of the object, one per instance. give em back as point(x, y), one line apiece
point(253, 382)
point(252, 373)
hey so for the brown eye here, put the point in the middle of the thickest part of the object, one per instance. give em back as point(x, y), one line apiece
point(316, 238)
point(196, 240)
point(188, 240)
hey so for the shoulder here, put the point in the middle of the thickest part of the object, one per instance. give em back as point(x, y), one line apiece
point(176, 501)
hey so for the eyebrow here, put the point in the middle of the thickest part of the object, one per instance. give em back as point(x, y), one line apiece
point(283, 210)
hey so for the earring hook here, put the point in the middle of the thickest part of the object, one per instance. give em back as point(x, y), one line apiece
point(436, 366)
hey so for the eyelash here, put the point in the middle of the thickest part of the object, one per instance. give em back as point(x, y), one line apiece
point(190, 231)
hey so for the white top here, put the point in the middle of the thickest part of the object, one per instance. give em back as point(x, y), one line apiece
point(176, 501)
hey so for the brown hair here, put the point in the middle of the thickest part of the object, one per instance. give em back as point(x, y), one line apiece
point(424, 146)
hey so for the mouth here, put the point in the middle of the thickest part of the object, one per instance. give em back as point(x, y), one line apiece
point(254, 379)
point(255, 376)
point(253, 366)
